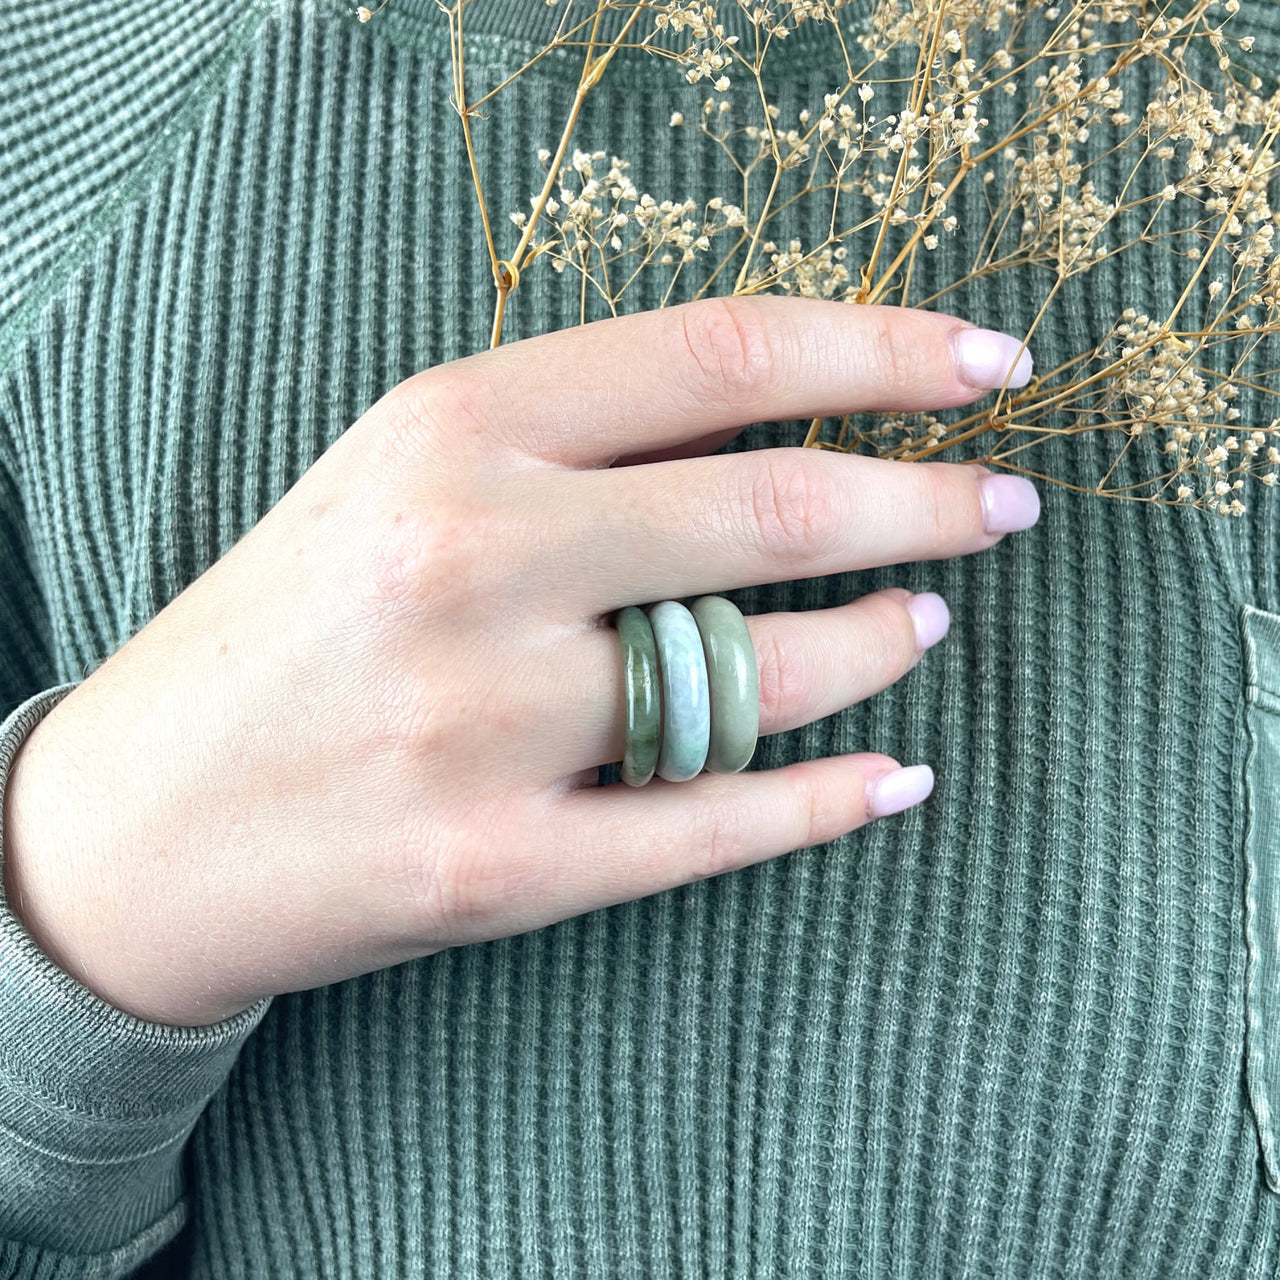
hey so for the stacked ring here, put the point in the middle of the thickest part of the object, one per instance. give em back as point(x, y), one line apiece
point(686, 700)
point(734, 683)
point(692, 690)
point(644, 714)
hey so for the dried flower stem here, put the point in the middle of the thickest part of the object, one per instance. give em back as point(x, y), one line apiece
point(506, 272)
point(457, 55)
point(1210, 147)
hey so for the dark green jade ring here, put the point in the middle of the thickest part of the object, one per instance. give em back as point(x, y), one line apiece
point(692, 689)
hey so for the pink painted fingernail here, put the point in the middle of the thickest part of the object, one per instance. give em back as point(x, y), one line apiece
point(984, 356)
point(1009, 503)
point(899, 790)
point(931, 617)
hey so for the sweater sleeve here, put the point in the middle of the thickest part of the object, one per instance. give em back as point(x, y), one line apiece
point(95, 1105)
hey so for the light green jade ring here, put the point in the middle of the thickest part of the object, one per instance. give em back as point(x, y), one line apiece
point(733, 680)
point(692, 690)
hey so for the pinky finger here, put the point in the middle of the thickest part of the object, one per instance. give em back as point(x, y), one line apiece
point(620, 842)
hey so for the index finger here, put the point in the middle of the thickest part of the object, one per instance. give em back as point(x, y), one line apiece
point(581, 397)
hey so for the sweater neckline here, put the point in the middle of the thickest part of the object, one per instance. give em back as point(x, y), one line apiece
point(536, 22)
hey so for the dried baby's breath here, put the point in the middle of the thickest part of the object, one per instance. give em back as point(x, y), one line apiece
point(1089, 171)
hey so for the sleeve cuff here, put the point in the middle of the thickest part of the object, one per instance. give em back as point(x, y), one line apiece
point(20, 1261)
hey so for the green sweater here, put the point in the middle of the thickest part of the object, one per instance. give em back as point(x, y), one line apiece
point(1025, 1029)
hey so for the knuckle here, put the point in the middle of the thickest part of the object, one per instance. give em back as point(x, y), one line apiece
point(719, 844)
point(422, 886)
point(788, 510)
point(413, 421)
point(727, 347)
point(406, 870)
point(948, 519)
point(894, 635)
point(820, 814)
point(429, 415)
point(434, 555)
point(730, 836)
point(469, 889)
point(896, 355)
point(784, 684)
point(467, 883)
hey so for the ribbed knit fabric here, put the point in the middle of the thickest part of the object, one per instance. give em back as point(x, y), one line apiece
point(1003, 1034)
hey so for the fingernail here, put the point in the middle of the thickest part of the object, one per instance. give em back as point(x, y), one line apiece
point(984, 356)
point(899, 790)
point(1009, 503)
point(931, 617)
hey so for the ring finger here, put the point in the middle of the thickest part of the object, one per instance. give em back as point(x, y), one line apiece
point(811, 664)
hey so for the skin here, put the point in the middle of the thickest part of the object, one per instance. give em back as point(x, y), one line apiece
point(372, 729)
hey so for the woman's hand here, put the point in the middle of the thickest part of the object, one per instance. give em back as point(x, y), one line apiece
point(372, 729)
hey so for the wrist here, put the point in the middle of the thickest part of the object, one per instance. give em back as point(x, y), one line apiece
point(69, 888)
point(38, 836)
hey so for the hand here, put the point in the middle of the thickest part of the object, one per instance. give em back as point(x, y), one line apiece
point(372, 729)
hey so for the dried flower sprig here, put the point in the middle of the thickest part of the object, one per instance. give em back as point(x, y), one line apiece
point(1089, 169)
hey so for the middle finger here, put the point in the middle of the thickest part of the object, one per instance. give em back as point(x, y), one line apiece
point(696, 526)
